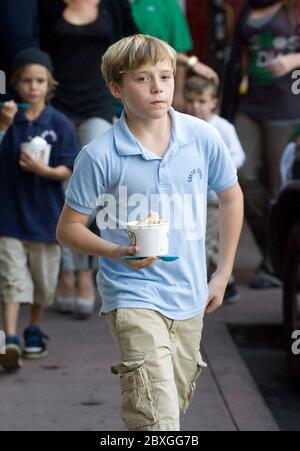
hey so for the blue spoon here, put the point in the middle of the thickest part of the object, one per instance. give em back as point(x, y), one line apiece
point(19, 105)
point(165, 258)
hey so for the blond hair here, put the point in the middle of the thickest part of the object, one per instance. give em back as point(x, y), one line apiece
point(16, 76)
point(132, 52)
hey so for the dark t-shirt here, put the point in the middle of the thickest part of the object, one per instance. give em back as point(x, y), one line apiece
point(30, 204)
point(81, 92)
point(76, 52)
point(269, 97)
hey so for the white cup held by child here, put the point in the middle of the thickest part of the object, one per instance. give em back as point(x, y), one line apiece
point(152, 238)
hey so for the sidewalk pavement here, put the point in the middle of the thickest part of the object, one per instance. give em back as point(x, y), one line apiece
point(73, 388)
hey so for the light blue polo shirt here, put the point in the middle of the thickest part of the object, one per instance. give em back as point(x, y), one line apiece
point(123, 180)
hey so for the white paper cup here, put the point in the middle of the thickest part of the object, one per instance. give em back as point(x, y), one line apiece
point(151, 239)
point(38, 154)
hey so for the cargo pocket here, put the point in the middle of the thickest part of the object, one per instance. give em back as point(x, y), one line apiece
point(138, 405)
point(190, 391)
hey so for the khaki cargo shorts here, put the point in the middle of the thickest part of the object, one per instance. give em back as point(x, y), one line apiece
point(28, 271)
point(160, 364)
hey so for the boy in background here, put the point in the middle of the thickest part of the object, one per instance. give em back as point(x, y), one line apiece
point(31, 199)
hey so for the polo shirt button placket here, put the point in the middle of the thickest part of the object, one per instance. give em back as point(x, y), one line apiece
point(164, 178)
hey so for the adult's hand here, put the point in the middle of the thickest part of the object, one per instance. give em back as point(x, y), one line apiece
point(206, 72)
point(283, 65)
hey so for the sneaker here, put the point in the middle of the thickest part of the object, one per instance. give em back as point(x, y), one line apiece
point(84, 308)
point(64, 305)
point(11, 360)
point(35, 346)
point(264, 280)
point(231, 293)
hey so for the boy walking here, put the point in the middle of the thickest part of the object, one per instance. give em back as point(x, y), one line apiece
point(31, 199)
point(153, 156)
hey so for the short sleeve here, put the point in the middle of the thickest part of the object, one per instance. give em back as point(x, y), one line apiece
point(67, 146)
point(222, 173)
point(86, 184)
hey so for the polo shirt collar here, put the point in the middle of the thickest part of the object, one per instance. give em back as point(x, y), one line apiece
point(43, 118)
point(127, 144)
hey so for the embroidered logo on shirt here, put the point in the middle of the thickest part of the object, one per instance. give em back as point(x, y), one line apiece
point(51, 134)
point(194, 172)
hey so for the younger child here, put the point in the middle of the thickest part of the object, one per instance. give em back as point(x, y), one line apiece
point(31, 198)
point(201, 97)
point(150, 157)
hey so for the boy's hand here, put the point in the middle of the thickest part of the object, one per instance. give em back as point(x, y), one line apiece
point(216, 287)
point(30, 164)
point(7, 114)
point(123, 251)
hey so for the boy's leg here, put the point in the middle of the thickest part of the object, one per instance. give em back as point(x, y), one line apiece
point(16, 285)
point(44, 263)
point(16, 288)
point(149, 393)
point(10, 318)
point(188, 363)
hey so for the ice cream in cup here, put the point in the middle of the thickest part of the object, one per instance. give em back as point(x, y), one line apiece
point(38, 148)
point(150, 235)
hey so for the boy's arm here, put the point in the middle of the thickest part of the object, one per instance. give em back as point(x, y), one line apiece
point(29, 164)
point(7, 115)
point(72, 232)
point(230, 225)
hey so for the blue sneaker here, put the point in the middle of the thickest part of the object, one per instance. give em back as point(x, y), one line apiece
point(35, 346)
point(11, 360)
